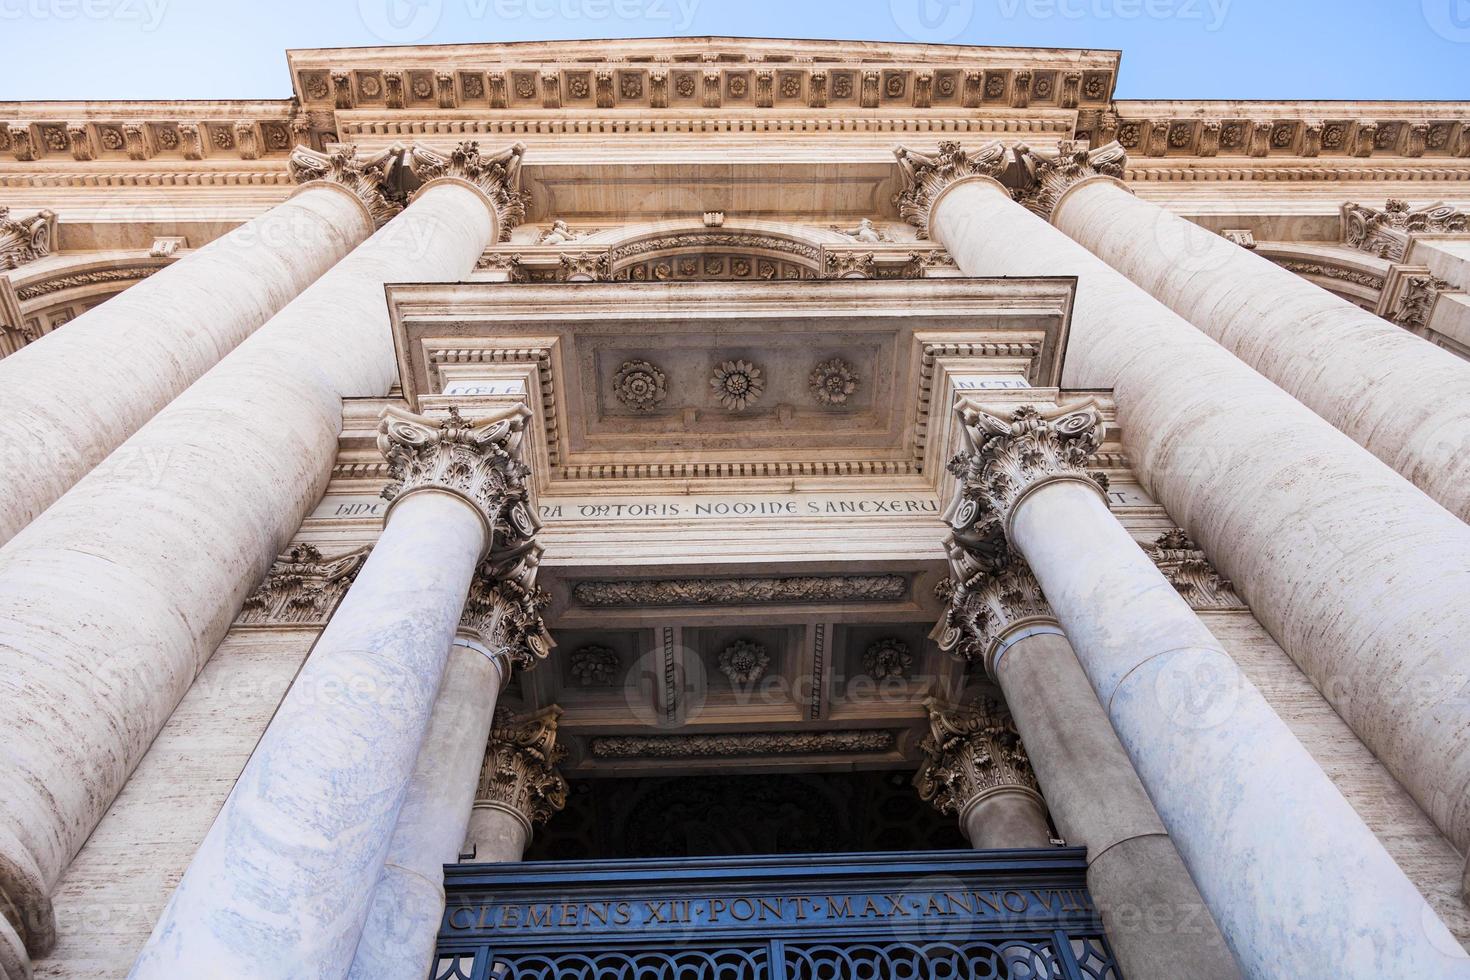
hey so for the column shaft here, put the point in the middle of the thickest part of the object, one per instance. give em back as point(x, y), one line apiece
point(1293, 876)
point(1005, 820)
point(281, 885)
point(1283, 503)
point(1406, 401)
point(118, 594)
point(121, 362)
point(1156, 920)
point(402, 926)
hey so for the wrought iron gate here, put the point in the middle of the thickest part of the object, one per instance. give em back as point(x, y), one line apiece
point(945, 915)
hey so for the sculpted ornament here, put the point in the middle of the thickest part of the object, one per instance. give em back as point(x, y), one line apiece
point(499, 176)
point(1050, 175)
point(25, 239)
point(982, 608)
point(302, 587)
point(864, 232)
point(478, 460)
point(739, 591)
point(1417, 303)
point(1191, 574)
point(519, 772)
point(503, 611)
point(970, 752)
point(594, 666)
point(640, 385)
point(1386, 233)
point(738, 384)
point(833, 381)
point(744, 662)
point(925, 176)
point(888, 658)
point(365, 177)
point(739, 744)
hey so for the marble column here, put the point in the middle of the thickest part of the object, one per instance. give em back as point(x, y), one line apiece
point(122, 361)
point(282, 883)
point(402, 927)
point(1356, 573)
point(1156, 921)
point(1405, 401)
point(976, 769)
point(1292, 875)
point(519, 786)
point(118, 594)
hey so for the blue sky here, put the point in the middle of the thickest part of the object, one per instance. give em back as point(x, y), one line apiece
point(1292, 49)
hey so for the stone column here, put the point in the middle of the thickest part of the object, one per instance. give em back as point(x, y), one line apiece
point(124, 360)
point(281, 885)
point(1156, 920)
point(1405, 401)
point(975, 768)
point(117, 595)
point(1292, 875)
point(1282, 502)
point(519, 787)
point(408, 902)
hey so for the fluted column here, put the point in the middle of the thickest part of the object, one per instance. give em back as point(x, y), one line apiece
point(500, 629)
point(1404, 400)
point(1156, 921)
point(118, 594)
point(1292, 875)
point(1282, 502)
point(281, 885)
point(519, 786)
point(122, 361)
point(975, 768)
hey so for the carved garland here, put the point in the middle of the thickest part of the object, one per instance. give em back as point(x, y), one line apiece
point(739, 591)
point(739, 745)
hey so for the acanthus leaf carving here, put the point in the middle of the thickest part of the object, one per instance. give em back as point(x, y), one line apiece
point(365, 177)
point(739, 591)
point(925, 176)
point(970, 752)
point(1053, 174)
point(302, 587)
point(498, 176)
point(737, 745)
point(1190, 572)
point(25, 239)
point(1385, 233)
point(519, 772)
point(503, 611)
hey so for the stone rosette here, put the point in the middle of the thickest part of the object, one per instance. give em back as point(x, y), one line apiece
point(744, 662)
point(737, 384)
point(888, 657)
point(832, 382)
point(594, 666)
point(640, 385)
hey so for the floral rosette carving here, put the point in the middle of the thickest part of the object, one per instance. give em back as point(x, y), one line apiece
point(833, 382)
point(640, 385)
point(594, 666)
point(888, 658)
point(737, 384)
point(744, 662)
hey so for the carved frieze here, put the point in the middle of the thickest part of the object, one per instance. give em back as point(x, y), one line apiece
point(741, 591)
point(1337, 272)
point(970, 752)
point(56, 284)
point(1385, 233)
point(1052, 174)
point(302, 588)
point(925, 176)
point(499, 176)
point(26, 239)
point(742, 744)
point(366, 177)
point(519, 773)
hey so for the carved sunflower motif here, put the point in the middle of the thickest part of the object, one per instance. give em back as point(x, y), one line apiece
point(738, 384)
point(640, 385)
point(744, 662)
point(833, 381)
point(888, 658)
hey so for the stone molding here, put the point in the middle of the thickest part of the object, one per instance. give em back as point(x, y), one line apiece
point(1052, 174)
point(477, 460)
point(302, 587)
point(926, 176)
point(1005, 460)
point(519, 772)
point(498, 176)
point(1416, 302)
point(985, 607)
point(1386, 232)
point(740, 591)
point(503, 612)
point(1191, 574)
point(365, 178)
point(971, 752)
point(741, 744)
point(24, 240)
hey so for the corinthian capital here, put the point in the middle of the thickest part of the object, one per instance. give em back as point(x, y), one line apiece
point(25, 239)
point(364, 176)
point(519, 772)
point(1005, 460)
point(498, 176)
point(477, 460)
point(985, 608)
point(925, 176)
point(503, 610)
point(1052, 174)
point(971, 752)
point(1386, 232)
